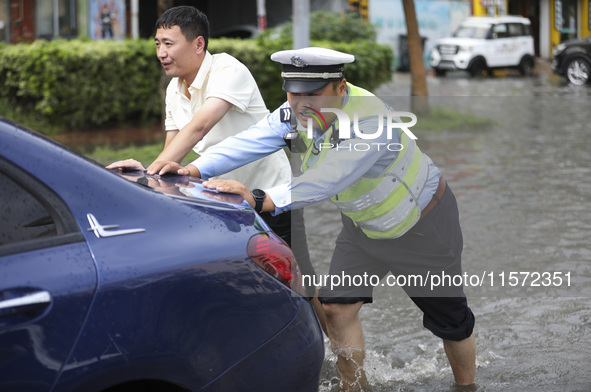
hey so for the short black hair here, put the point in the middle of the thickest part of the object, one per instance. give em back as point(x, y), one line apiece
point(192, 22)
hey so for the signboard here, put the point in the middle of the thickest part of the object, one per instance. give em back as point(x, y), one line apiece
point(558, 15)
point(107, 19)
point(436, 19)
point(492, 3)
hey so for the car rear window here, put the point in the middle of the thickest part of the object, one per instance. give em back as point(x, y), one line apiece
point(472, 30)
point(23, 218)
point(516, 30)
point(31, 215)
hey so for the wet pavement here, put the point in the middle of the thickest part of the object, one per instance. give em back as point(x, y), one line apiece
point(524, 193)
point(524, 196)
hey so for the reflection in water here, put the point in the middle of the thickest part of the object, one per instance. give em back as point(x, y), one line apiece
point(524, 193)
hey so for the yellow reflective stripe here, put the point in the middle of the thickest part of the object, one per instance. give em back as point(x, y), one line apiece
point(395, 209)
point(406, 144)
point(412, 173)
point(393, 205)
point(320, 157)
point(395, 231)
point(375, 190)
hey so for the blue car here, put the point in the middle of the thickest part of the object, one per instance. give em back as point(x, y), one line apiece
point(128, 282)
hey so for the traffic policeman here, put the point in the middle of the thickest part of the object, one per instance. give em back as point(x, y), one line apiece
point(399, 215)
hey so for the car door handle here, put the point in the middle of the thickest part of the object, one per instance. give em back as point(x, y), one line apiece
point(26, 301)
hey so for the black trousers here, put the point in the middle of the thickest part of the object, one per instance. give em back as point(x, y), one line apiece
point(433, 246)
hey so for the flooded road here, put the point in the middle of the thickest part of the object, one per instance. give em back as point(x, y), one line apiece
point(524, 192)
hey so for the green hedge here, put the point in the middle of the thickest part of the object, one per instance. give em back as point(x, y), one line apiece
point(371, 68)
point(82, 84)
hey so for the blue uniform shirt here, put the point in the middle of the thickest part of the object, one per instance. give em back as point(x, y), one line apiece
point(343, 166)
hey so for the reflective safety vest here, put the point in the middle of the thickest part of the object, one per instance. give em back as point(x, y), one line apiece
point(387, 206)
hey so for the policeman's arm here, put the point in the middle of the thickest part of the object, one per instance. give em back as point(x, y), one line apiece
point(237, 188)
point(179, 144)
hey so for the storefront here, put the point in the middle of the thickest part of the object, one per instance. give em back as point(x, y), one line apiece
point(27, 20)
point(570, 19)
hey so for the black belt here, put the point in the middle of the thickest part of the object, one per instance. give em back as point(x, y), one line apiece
point(436, 198)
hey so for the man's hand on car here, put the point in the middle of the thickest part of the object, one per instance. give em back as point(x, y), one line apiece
point(163, 167)
point(126, 165)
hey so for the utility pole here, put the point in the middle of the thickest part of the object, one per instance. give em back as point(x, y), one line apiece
point(301, 23)
point(261, 15)
point(135, 24)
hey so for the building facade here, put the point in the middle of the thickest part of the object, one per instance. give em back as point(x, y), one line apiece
point(27, 20)
point(553, 21)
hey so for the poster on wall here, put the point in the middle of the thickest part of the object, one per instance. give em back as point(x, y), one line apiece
point(107, 19)
point(437, 19)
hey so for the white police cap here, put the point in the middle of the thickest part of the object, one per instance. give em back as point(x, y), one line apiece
point(310, 69)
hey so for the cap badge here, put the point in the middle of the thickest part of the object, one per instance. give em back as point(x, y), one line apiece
point(297, 61)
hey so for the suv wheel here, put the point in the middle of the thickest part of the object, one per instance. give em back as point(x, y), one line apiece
point(477, 68)
point(440, 72)
point(526, 66)
point(578, 71)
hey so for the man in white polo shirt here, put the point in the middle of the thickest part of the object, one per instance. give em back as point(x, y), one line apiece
point(210, 98)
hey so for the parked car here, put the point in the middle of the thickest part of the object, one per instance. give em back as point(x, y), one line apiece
point(128, 282)
point(485, 43)
point(244, 31)
point(572, 59)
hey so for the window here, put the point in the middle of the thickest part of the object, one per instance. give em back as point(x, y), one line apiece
point(515, 30)
point(31, 215)
point(22, 217)
point(55, 18)
point(500, 30)
point(527, 30)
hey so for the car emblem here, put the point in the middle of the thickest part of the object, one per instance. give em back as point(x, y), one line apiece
point(298, 61)
point(102, 231)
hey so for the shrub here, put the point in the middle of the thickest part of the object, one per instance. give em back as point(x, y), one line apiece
point(79, 84)
point(343, 32)
point(328, 26)
point(83, 84)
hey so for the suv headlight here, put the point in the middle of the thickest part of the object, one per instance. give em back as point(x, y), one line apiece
point(465, 49)
point(558, 49)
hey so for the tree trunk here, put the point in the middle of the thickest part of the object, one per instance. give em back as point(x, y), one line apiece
point(419, 93)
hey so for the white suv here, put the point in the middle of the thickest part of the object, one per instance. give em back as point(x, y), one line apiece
point(484, 43)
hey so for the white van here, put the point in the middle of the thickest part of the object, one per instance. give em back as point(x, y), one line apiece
point(484, 43)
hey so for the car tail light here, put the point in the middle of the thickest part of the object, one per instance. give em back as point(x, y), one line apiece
point(273, 255)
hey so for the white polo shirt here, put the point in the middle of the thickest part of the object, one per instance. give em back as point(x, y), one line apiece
point(222, 76)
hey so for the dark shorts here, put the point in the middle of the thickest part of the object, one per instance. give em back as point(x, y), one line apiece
point(291, 228)
point(432, 247)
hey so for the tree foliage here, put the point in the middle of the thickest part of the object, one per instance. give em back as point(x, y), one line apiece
point(84, 84)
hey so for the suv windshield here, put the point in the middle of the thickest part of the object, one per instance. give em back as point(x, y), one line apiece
point(472, 31)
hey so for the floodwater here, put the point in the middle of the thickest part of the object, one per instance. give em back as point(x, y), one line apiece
point(524, 193)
